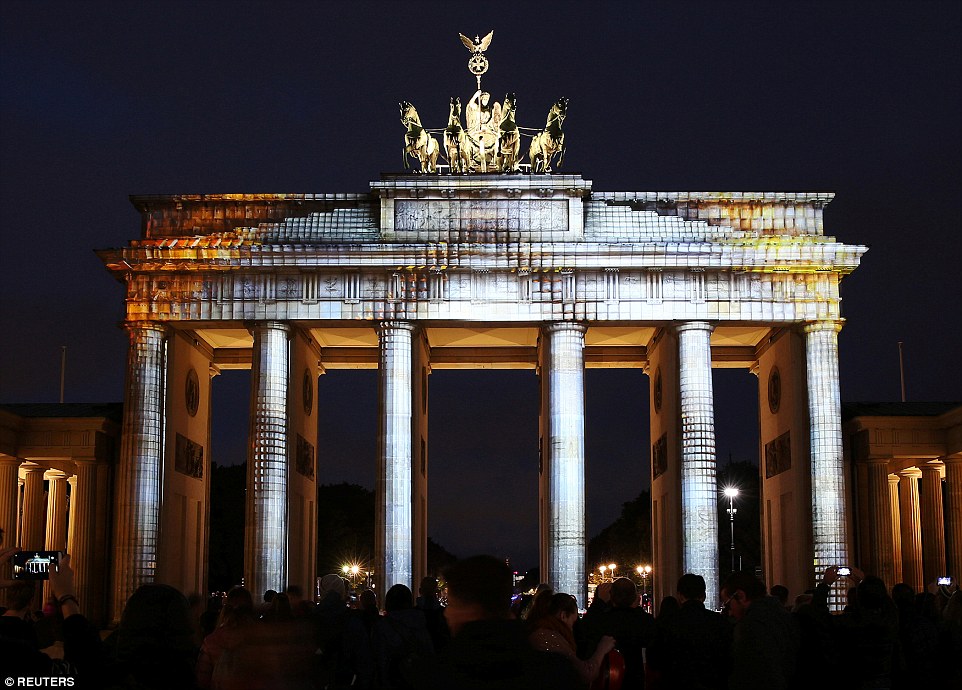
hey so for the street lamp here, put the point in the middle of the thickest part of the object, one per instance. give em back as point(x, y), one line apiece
point(643, 572)
point(611, 571)
point(732, 492)
point(602, 570)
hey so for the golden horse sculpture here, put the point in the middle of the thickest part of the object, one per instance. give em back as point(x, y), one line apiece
point(459, 158)
point(550, 141)
point(417, 141)
point(509, 141)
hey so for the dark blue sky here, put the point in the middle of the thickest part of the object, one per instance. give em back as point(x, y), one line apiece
point(99, 100)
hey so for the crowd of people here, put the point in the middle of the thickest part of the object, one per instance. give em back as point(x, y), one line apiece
point(487, 636)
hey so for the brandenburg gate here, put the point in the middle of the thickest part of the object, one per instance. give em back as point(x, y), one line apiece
point(531, 271)
point(493, 264)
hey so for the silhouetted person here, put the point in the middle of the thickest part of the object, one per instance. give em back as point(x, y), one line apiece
point(632, 627)
point(236, 616)
point(551, 620)
point(399, 640)
point(765, 641)
point(488, 648)
point(153, 647)
point(430, 605)
point(692, 647)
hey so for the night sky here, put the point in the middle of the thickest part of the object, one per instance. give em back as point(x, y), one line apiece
point(102, 100)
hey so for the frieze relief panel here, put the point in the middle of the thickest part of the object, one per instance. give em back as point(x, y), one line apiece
point(484, 216)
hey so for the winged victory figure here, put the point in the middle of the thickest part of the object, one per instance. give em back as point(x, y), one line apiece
point(477, 45)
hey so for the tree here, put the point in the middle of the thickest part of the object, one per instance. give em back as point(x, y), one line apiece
point(626, 541)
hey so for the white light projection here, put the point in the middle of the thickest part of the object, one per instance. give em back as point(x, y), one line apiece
point(699, 487)
point(267, 467)
point(141, 458)
point(828, 478)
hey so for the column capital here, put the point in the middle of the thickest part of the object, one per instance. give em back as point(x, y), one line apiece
point(933, 466)
point(911, 473)
point(31, 467)
point(952, 459)
point(10, 460)
point(824, 325)
point(694, 326)
point(383, 326)
point(251, 326)
point(884, 460)
point(54, 474)
point(893, 479)
point(555, 326)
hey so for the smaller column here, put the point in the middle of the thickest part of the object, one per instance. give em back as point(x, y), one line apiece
point(9, 494)
point(71, 511)
point(83, 529)
point(953, 521)
point(911, 528)
point(896, 527)
point(34, 509)
point(878, 504)
point(56, 537)
point(933, 535)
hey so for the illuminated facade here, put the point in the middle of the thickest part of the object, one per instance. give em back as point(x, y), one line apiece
point(522, 271)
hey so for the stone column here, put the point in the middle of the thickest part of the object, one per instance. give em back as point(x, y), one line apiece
point(265, 553)
point(699, 486)
point(933, 525)
point(56, 537)
point(34, 509)
point(878, 505)
point(84, 505)
point(896, 527)
point(911, 529)
point(394, 492)
point(563, 383)
point(953, 519)
point(9, 494)
point(829, 507)
point(138, 486)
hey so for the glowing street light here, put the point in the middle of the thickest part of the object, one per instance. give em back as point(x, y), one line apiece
point(611, 570)
point(602, 570)
point(732, 492)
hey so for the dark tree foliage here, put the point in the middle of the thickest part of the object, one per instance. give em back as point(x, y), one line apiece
point(626, 541)
point(225, 552)
point(345, 526)
point(345, 530)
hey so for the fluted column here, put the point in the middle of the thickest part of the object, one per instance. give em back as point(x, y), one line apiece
point(953, 516)
point(56, 533)
point(394, 482)
point(878, 504)
point(933, 525)
point(84, 505)
point(138, 486)
point(896, 527)
point(699, 485)
point(563, 381)
point(9, 493)
point(911, 528)
point(829, 509)
point(265, 555)
point(34, 509)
